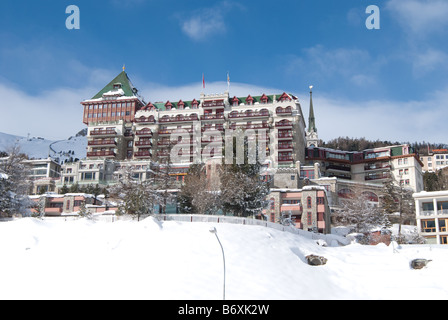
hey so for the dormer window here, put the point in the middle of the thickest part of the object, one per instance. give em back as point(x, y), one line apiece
point(264, 99)
point(235, 101)
point(117, 85)
point(168, 105)
point(194, 104)
point(249, 100)
point(285, 97)
point(181, 104)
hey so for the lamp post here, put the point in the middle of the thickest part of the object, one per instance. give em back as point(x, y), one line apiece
point(213, 230)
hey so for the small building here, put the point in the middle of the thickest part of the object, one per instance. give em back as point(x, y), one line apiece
point(63, 204)
point(432, 215)
point(306, 208)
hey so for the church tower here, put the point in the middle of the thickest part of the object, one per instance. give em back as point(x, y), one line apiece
point(312, 139)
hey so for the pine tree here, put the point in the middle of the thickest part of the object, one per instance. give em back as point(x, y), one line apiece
point(14, 194)
point(243, 193)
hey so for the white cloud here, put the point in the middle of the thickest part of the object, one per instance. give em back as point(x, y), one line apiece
point(382, 119)
point(429, 61)
point(53, 115)
point(203, 23)
point(353, 65)
point(420, 17)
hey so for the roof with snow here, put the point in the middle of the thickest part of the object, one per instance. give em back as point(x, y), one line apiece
point(121, 85)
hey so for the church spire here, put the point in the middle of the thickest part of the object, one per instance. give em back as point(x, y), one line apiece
point(311, 119)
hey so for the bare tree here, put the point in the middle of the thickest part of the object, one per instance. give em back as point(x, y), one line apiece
point(137, 197)
point(358, 212)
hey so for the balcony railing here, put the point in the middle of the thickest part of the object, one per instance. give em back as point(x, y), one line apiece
point(143, 143)
point(248, 114)
point(212, 117)
point(170, 131)
point(144, 132)
point(379, 176)
point(103, 132)
point(142, 154)
point(145, 120)
point(180, 119)
point(101, 142)
point(284, 146)
point(101, 154)
point(283, 124)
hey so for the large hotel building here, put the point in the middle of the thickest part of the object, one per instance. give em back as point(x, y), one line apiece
point(123, 129)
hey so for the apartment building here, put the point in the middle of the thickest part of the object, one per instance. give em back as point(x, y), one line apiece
point(375, 166)
point(436, 159)
point(432, 215)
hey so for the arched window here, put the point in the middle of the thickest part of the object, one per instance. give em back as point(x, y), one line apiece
point(308, 202)
point(345, 193)
point(370, 196)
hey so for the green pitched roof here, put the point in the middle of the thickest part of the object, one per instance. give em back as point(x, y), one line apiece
point(126, 86)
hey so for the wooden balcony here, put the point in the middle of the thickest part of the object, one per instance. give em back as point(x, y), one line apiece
point(144, 119)
point(142, 154)
point(212, 117)
point(248, 115)
point(284, 124)
point(102, 142)
point(144, 133)
point(192, 117)
point(102, 132)
point(101, 154)
point(143, 143)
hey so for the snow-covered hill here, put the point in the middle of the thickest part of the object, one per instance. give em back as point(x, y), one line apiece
point(180, 260)
point(39, 148)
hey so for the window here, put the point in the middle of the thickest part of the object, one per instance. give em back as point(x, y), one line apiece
point(308, 202)
point(309, 218)
point(293, 177)
point(320, 200)
point(67, 205)
point(128, 113)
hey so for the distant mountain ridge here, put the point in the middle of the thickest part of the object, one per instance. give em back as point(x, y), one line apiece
point(40, 148)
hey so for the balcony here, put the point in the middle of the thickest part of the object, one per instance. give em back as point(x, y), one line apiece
point(170, 131)
point(285, 159)
point(377, 176)
point(283, 124)
point(102, 132)
point(285, 135)
point(179, 118)
point(336, 167)
point(143, 143)
point(248, 114)
point(102, 142)
point(142, 154)
point(144, 133)
point(144, 119)
point(219, 116)
point(284, 111)
point(284, 146)
point(376, 166)
point(101, 154)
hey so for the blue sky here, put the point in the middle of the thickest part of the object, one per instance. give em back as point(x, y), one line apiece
point(387, 84)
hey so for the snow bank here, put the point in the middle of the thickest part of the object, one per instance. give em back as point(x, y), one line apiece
point(83, 259)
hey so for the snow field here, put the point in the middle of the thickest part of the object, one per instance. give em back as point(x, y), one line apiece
point(82, 259)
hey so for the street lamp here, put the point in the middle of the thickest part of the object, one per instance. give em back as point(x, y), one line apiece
point(213, 230)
